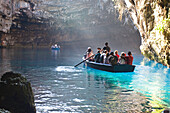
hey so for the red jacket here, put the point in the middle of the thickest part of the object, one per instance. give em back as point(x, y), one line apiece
point(117, 56)
point(129, 59)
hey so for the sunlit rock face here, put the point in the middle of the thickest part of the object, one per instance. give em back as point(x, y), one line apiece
point(152, 18)
point(44, 22)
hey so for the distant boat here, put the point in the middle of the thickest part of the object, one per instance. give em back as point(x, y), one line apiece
point(55, 47)
point(110, 68)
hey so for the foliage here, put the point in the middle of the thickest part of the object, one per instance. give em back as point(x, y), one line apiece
point(164, 26)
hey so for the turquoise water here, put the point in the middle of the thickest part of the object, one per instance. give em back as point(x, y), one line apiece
point(59, 87)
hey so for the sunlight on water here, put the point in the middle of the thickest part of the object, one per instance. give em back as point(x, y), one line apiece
point(152, 81)
point(78, 100)
point(68, 69)
point(60, 87)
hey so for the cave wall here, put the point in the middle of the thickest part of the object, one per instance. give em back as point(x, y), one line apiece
point(152, 18)
point(22, 24)
point(42, 23)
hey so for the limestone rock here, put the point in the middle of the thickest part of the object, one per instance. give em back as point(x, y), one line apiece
point(16, 94)
point(40, 23)
point(152, 19)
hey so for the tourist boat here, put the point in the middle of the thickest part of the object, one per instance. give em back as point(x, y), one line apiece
point(110, 68)
point(55, 47)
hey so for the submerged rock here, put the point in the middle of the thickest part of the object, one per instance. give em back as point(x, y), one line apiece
point(16, 94)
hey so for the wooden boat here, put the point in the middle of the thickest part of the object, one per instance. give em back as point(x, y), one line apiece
point(55, 47)
point(110, 68)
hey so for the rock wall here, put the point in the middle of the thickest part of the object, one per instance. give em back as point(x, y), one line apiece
point(21, 23)
point(16, 94)
point(152, 18)
point(44, 22)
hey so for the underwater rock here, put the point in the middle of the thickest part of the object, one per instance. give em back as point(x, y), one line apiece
point(16, 94)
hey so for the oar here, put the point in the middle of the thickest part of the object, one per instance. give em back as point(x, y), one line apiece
point(83, 61)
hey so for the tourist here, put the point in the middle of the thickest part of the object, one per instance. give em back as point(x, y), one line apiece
point(89, 53)
point(103, 56)
point(122, 58)
point(106, 47)
point(116, 54)
point(112, 59)
point(56, 46)
point(99, 49)
point(111, 55)
point(106, 58)
point(97, 57)
point(129, 58)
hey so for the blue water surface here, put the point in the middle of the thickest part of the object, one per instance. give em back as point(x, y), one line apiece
point(60, 87)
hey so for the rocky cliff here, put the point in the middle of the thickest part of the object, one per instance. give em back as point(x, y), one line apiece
point(43, 22)
point(21, 22)
point(152, 18)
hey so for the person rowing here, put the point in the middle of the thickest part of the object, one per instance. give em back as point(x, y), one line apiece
point(89, 53)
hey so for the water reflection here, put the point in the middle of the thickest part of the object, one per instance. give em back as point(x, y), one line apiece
point(153, 79)
point(4, 61)
point(115, 97)
point(150, 79)
point(55, 53)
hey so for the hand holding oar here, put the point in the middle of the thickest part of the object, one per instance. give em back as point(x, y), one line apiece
point(83, 61)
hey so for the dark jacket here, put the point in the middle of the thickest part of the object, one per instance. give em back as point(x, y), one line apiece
point(97, 57)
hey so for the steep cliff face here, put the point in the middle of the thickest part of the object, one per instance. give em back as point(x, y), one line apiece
point(152, 18)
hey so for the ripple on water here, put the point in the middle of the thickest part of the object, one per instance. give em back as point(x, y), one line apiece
point(68, 69)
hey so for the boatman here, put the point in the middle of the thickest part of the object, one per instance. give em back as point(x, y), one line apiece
point(106, 47)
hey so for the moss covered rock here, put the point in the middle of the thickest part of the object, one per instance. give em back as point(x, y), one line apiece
point(16, 94)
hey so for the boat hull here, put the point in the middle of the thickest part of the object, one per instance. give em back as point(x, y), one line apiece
point(55, 48)
point(110, 68)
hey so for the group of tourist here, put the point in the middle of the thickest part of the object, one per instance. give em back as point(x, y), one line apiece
point(106, 56)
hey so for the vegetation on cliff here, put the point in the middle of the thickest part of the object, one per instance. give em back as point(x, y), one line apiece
point(16, 94)
point(152, 18)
